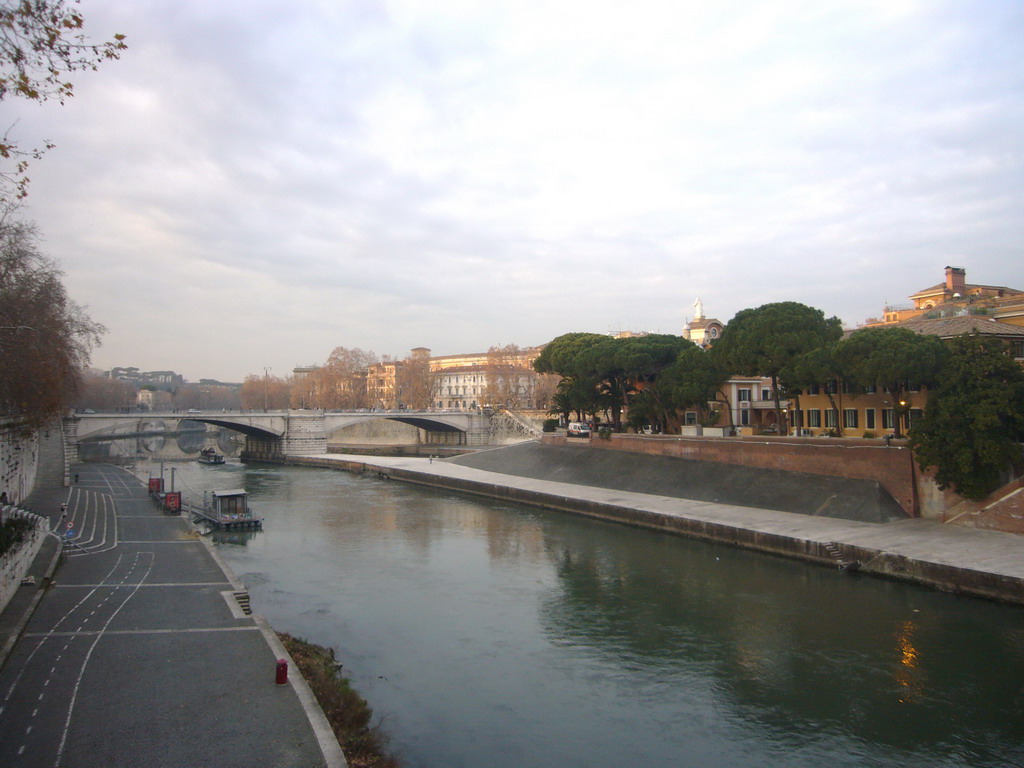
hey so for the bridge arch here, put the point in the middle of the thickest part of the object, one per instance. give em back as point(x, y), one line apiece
point(106, 426)
point(277, 434)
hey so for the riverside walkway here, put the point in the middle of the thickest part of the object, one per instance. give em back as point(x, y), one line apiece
point(968, 561)
point(140, 653)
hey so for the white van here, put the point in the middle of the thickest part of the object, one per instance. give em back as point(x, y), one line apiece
point(578, 430)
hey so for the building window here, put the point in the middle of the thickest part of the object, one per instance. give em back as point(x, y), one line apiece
point(830, 418)
point(831, 387)
point(744, 395)
point(913, 417)
point(888, 422)
point(870, 389)
point(849, 418)
point(814, 389)
point(814, 417)
point(766, 394)
point(1017, 348)
point(869, 418)
point(745, 418)
point(691, 418)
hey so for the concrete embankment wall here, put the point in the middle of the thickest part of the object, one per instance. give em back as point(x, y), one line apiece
point(14, 564)
point(892, 467)
point(815, 544)
point(378, 432)
point(667, 475)
point(19, 461)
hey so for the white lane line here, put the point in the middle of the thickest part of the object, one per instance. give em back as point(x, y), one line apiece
point(148, 585)
point(61, 620)
point(162, 541)
point(88, 656)
point(178, 631)
point(108, 511)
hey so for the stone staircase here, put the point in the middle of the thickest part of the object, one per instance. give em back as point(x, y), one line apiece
point(840, 557)
point(506, 425)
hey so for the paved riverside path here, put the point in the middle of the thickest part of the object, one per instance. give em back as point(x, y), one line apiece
point(977, 562)
point(139, 654)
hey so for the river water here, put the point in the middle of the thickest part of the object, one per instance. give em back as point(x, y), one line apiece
point(493, 635)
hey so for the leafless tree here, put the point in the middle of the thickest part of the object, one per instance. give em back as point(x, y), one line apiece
point(259, 392)
point(414, 382)
point(41, 43)
point(340, 383)
point(104, 393)
point(45, 337)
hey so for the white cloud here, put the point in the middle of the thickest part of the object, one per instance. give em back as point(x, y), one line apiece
point(449, 175)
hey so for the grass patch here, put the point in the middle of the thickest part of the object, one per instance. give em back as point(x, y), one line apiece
point(346, 711)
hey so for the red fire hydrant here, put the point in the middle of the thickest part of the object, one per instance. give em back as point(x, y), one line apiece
point(282, 671)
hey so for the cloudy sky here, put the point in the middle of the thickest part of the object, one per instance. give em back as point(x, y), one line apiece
point(255, 183)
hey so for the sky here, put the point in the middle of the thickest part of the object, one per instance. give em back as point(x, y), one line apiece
point(256, 183)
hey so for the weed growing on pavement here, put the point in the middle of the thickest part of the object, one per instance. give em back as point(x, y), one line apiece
point(347, 711)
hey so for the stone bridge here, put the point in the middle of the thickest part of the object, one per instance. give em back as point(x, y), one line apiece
point(275, 434)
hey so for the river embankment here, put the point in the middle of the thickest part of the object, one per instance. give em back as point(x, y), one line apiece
point(870, 537)
point(347, 712)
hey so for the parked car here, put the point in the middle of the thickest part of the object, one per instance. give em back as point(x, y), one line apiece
point(578, 430)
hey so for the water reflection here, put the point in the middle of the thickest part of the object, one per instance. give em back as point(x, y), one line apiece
point(908, 673)
point(787, 644)
point(491, 634)
point(181, 446)
point(236, 538)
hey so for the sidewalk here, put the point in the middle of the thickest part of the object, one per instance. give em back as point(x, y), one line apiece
point(140, 652)
point(969, 561)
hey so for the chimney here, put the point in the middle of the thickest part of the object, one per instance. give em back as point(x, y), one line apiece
point(956, 280)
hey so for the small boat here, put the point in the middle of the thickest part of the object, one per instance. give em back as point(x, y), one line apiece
point(210, 456)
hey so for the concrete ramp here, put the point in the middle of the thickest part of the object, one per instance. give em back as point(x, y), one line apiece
point(843, 498)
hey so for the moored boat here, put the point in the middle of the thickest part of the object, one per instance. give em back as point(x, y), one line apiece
point(210, 456)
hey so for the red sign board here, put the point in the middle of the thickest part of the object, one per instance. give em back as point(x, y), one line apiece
point(172, 501)
point(156, 484)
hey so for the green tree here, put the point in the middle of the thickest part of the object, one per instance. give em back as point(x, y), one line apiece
point(694, 380)
point(626, 365)
point(892, 358)
point(576, 394)
point(614, 369)
point(561, 355)
point(767, 340)
point(564, 356)
point(822, 367)
point(973, 425)
point(41, 43)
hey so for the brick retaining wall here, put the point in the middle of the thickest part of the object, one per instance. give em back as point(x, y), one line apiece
point(891, 466)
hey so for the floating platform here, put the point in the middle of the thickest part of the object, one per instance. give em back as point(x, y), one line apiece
point(228, 510)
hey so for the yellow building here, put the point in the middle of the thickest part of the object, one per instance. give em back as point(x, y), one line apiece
point(955, 296)
point(832, 409)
